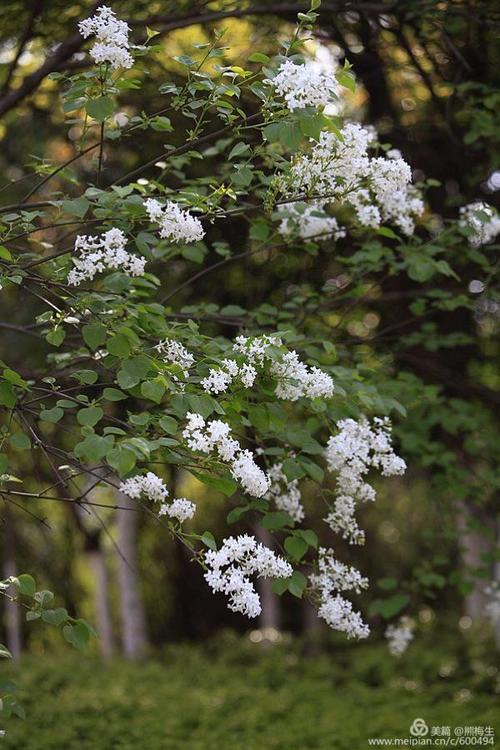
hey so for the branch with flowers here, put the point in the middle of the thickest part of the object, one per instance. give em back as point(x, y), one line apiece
point(131, 381)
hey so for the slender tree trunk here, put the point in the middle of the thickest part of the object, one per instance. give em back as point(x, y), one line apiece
point(270, 616)
point(496, 578)
point(97, 559)
point(133, 616)
point(12, 612)
point(473, 547)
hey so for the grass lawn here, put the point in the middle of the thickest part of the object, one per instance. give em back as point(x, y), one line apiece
point(232, 694)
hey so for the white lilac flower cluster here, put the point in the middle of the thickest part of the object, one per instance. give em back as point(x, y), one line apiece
point(112, 45)
point(351, 453)
point(481, 221)
point(102, 252)
point(332, 579)
point(285, 493)
point(215, 437)
point(230, 568)
point(175, 353)
point(219, 379)
point(339, 169)
point(308, 221)
point(179, 508)
point(176, 224)
point(294, 378)
point(399, 637)
point(152, 487)
point(304, 85)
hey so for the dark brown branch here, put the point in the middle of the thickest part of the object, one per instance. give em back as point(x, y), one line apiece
point(26, 37)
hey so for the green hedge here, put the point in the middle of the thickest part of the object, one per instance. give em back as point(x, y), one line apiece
point(232, 695)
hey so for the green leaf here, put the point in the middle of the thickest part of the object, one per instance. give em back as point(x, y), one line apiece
point(119, 346)
point(55, 616)
point(122, 459)
point(393, 605)
point(297, 584)
point(25, 584)
point(52, 415)
point(113, 394)
point(133, 371)
point(43, 597)
point(20, 441)
point(313, 470)
point(8, 396)
point(277, 520)
point(222, 484)
point(280, 585)
point(154, 390)
point(258, 57)
point(76, 207)
point(238, 149)
point(90, 416)
point(236, 514)
point(78, 635)
point(169, 425)
point(100, 109)
point(292, 469)
point(93, 448)
point(87, 377)
point(56, 337)
point(296, 547)
point(94, 335)
point(208, 540)
point(310, 537)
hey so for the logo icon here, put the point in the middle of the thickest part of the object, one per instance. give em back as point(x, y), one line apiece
point(419, 728)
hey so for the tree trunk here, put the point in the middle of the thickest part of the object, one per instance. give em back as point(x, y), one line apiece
point(133, 616)
point(473, 547)
point(97, 559)
point(270, 616)
point(496, 579)
point(12, 612)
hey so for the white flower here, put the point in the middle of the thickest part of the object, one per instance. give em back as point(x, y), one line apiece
point(339, 615)
point(230, 568)
point(399, 636)
point(295, 379)
point(351, 453)
point(309, 221)
point(285, 493)
point(179, 508)
point(219, 379)
point(176, 224)
point(332, 579)
point(215, 437)
point(103, 252)
point(176, 354)
point(150, 485)
point(249, 475)
point(339, 169)
point(304, 85)
point(112, 43)
point(481, 221)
